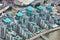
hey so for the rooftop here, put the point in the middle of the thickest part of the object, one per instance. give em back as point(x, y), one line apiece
point(6, 20)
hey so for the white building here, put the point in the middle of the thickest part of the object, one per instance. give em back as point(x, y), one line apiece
point(23, 2)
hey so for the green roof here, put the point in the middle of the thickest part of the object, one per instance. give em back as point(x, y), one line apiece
point(40, 7)
point(6, 20)
point(48, 6)
point(30, 8)
point(19, 14)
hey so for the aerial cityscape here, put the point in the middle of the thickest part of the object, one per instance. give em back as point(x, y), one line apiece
point(29, 19)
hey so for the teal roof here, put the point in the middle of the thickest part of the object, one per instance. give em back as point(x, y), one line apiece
point(6, 20)
point(30, 8)
point(40, 7)
point(48, 6)
point(18, 38)
point(19, 14)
